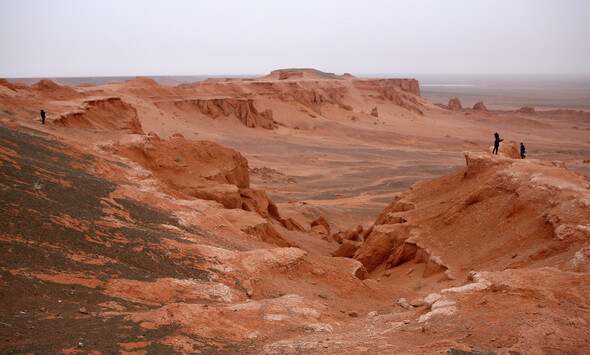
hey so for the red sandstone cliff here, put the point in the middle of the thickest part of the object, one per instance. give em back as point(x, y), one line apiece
point(107, 114)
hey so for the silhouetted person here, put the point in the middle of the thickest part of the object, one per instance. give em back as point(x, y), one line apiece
point(497, 141)
point(522, 151)
point(42, 116)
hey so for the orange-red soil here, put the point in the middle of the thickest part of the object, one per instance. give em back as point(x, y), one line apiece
point(298, 212)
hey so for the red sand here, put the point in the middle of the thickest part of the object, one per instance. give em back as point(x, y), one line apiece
point(215, 232)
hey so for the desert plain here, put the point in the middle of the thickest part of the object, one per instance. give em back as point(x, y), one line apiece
point(301, 211)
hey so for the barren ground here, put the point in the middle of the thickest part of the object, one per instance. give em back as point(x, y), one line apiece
point(120, 233)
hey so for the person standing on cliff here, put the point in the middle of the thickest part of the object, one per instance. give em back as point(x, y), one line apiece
point(497, 141)
point(42, 116)
point(522, 151)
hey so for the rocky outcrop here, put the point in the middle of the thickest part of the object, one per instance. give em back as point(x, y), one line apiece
point(291, 224)
point(569, 114)
point(347, 249)
point(479, 106)
point(406, 85)
point(208, 171)
point(508, 148)
point(301, 74)
point(267, 233)
point(388, 86)
point(321, 221)
point(526, 110)
point(106, 114)
point(313, 98)
point(392, 244)
point(454, 104)
point(242, 109)
point(535, 212)
point(200, 169)
point(374, 112)
point(401, 92)
point(257, 201)
point(319, 92)
point(197, 168)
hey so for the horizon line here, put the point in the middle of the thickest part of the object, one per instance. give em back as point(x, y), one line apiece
point(229, 75)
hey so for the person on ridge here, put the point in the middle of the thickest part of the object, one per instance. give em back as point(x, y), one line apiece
point(42, 116)
point(522, 151)
point(497, 141)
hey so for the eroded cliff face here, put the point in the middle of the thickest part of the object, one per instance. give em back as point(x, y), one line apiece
point(300, 90)
point(408, 85)
point(322, 79)
point(305, 94)
point(107, 114)
point(517, 232)
point(498, 212)
point(119, 259)
point(205, 170)
point(243, 109)
point(162, 245)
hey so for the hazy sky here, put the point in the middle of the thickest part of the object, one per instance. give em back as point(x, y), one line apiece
point(144, 37)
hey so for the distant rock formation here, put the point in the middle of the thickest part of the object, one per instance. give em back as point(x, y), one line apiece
point(243, 109)
point(85, 85)
point(302, 73)
point(316, 90)
point(454, 104)
point(283, 75)
point(51, 90)
point(142, 81)
point(569, 114)
point(526, 109)
point(374, 112)
point(479, 106)
point(388, 87)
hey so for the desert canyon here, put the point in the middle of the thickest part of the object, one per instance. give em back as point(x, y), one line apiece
point(301, 211)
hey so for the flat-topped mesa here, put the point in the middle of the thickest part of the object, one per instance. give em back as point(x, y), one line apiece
point(408, 85)
point(106, 114)
point(386, 86)
point(318, 92)
point(301, 74)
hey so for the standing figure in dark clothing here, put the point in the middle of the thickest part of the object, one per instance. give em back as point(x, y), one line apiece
point(497, 141)
point(522, 151)
point(42, 116)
